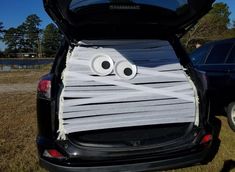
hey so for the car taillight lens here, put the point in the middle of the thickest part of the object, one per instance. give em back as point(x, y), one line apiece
point(206, 139)
point(44, 87)
point(53, 153)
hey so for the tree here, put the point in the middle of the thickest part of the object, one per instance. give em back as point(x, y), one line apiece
point(11, 40)
point(30, 32)
point(213, 26)
point(231, 32)
point(24, 38)
point(233, 29)
point(51, 40)
point(14, 38)
point(1, 30)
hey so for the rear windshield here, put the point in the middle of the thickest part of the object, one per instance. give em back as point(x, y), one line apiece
point(173, 5)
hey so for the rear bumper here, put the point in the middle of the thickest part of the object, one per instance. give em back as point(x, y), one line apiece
point(186, 151)
point(176, 162)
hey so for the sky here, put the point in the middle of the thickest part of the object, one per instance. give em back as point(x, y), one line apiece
point(14, 12)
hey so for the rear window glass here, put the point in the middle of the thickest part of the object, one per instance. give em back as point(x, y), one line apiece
point(199, 55)
point(219, 53)
point(231, 58)
point(173, 5)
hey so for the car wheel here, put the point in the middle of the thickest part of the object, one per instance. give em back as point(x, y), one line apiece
point(231, 115)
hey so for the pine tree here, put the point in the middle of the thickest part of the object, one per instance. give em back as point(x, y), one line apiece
point(30, 34)
point(24, 38)
point(11, 38)
point(51, 40)
point(1, 30)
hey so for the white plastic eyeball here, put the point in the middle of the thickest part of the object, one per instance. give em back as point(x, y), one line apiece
point(125, 70)
point(101, 65)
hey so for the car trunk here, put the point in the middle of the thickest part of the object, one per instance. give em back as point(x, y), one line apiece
point(155, 103)
point(158, 135)
point(115, 89)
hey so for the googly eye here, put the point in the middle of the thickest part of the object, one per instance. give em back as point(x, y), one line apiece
point(125, 70)
point(101, 65)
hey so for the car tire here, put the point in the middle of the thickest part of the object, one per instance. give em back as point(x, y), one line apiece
point(231, 115)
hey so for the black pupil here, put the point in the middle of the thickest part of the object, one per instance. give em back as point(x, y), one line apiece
point(105, 65)
point(128, 72)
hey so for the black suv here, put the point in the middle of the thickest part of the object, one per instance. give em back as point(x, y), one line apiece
point(122, 94)
point(217, 60)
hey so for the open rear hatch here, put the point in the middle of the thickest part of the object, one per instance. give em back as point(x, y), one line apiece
point(79, 117)
point(100, 19)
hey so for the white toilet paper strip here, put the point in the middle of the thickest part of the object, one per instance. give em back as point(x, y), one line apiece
point(160, 92)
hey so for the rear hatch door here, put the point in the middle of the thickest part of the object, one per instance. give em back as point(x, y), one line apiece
point(95, 19)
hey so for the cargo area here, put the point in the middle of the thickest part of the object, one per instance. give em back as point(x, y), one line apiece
point(121, 84)
point(164, 134)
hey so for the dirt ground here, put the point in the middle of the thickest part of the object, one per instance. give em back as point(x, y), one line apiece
point(18, 127)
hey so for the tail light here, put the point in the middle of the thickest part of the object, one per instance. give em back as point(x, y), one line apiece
point(44, 87)
point(53, 153)
point(206, 139)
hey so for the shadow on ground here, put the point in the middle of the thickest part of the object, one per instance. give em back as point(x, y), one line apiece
point(228, 166)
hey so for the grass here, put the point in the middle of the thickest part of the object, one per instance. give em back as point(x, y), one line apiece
point(18, 130)
point(23, 76)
